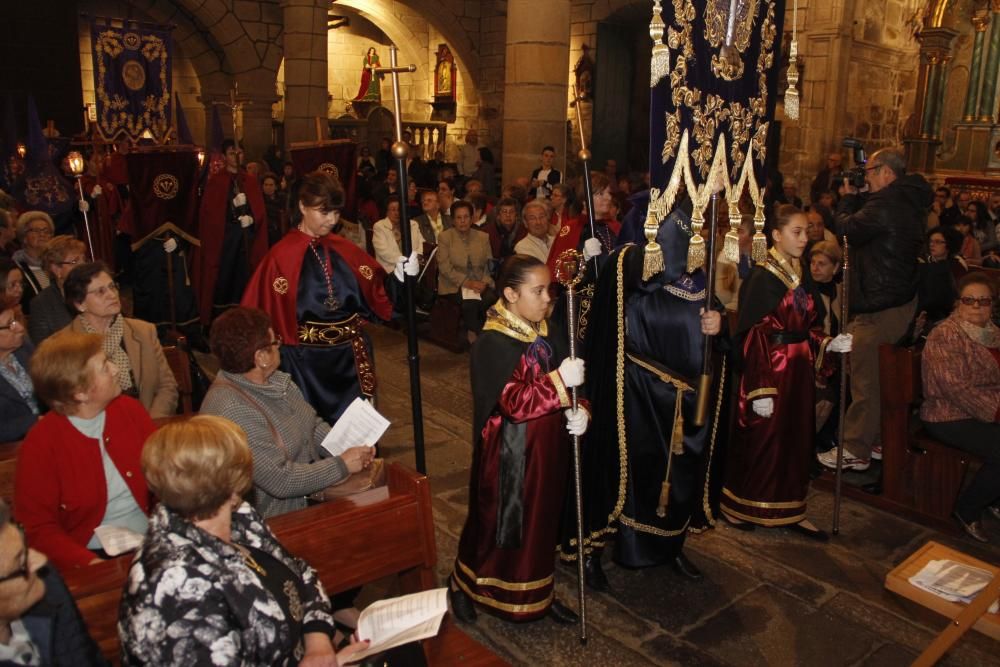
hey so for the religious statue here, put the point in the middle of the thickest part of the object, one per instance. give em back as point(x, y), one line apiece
point(371, 88)
point(444, 76)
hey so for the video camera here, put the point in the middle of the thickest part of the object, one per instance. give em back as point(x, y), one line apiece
point(856, 175)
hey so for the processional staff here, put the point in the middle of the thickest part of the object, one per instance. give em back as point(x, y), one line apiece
point(845, 360)
point(570, 268)
point(400, 151)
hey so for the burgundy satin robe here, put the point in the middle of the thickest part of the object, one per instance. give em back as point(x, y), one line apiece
point(768, 474)
point(517, 584)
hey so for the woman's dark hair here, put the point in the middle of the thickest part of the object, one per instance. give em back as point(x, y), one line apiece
point(952, 238)
point(486, 155)
point(977, 278)
point(964, 220)
point(273, 176)
point(515, 271)
point(236, 336)
point(78, 282)
point(6, 266)
point(461, 203)
point(316, 190)
point(782, 216)
point(980, 217)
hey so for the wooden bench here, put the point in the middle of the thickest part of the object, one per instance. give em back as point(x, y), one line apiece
point(350, 542)
point(921, 476)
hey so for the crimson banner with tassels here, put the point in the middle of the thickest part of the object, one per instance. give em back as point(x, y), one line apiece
point(163, 185)
point(713, 91)
point(132, 70)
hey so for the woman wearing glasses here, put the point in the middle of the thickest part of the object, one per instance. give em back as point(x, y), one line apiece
point(34, 230)
point(961, 371)
point(143, 371)
point(49, 313)
point(19, 409)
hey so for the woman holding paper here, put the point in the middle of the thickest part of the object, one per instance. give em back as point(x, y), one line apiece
point(284, 431)
point(78, 467)
point(211, 584)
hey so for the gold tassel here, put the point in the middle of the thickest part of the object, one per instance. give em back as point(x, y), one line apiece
point(652, 257)
point(731, 246)
point(676, 447)
point(792, 93)
point(696, 248)
point(759, 250)
point(659, 64)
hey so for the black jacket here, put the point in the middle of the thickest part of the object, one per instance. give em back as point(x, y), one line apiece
point(885, 231)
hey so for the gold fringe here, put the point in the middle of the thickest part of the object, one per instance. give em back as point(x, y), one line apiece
point(759, 250)
point(731, 246)
point(696, 253)
point(661, 508)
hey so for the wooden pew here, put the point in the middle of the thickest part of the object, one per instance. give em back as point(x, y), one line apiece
point(349, 542)
point(8, 465)
point(921, 476)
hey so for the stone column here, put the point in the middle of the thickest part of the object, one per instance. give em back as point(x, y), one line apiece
point(987, 98)
point(304, 42)
point(535, 84)
point(257, 128)
point(935, 52)
point(980, 20)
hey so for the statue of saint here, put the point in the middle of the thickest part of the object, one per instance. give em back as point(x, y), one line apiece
point(371, 88)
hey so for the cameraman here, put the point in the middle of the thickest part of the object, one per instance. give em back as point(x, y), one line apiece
point(884, 225)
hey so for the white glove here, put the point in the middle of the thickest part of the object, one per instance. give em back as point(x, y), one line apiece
point(169, 245)
point(97, 191)
point(572, 372)
point(763, 407)
point(592, 248)
point(239, 200)
point(841, 343)
point(411, 266)
point(84, 205)
point(576, 421)
point(246, 221)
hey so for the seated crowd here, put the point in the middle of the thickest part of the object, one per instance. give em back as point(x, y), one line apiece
point(81, 385)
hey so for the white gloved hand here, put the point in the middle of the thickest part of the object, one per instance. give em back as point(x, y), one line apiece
point(84, 205)
point(169, 245)
point(400, 268)
point(246, 221)
point(842, 343)
point(592, 248)
point(240, 199)
point(763, 407)
point(412, 265)
point(576, 421)
point(572, 371)
point(97, 191)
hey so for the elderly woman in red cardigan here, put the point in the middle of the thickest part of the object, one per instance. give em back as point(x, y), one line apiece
point(961, 371)
point(78, 467)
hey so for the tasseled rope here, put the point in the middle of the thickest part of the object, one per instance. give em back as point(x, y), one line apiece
point(758, 251)
point(731, 246)
point(676, 447)
point(659, 64)
point(792, 93)
point(652, 256)
point(696, 248)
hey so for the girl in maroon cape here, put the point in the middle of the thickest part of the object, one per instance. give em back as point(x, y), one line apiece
point(521, 460)
point(783, 348)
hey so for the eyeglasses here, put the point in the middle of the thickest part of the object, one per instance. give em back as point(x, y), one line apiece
point(39, 230)
point(22, 572)
point(13, 324)
point(936, 242)
point(873, 168)
point(982, 301)
point(274, 343)
point(104, 289)
point(69, 262)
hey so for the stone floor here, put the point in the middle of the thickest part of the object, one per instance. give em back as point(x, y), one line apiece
point(768, 598)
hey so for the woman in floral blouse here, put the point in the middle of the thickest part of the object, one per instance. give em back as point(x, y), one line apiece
point(211, 585)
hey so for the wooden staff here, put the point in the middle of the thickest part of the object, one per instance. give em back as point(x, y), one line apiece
point(569, 273)
point(705, 379)
point(842, 408)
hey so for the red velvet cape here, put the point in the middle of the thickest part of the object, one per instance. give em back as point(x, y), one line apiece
point(274, 285)
point(211, 231)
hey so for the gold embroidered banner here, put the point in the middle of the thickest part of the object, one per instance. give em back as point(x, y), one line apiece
point(132, 69)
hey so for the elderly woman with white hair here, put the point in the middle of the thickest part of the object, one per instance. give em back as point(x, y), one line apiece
point(34, 229)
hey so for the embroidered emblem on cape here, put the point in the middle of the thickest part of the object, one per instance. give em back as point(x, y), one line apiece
point(564, 230)
point(166, 186)
point(280, 285)
point(366, 271)
point(330, 168)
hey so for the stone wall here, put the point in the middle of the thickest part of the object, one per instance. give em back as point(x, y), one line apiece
point(859, 78)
